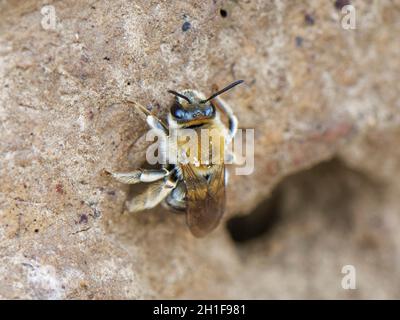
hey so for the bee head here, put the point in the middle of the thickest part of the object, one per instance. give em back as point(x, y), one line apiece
point(191, 106)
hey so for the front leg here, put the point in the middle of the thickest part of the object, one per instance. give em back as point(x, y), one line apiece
point(152, 120)
point(233, 121)
point(156, 124)
point(139, 175)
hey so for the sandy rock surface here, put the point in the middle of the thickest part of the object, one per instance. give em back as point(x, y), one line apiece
point(324, 103)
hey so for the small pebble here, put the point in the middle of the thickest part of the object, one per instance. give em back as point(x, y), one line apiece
point(186, 26)
point(309, 19)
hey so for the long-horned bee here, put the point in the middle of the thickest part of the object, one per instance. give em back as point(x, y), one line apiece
point(197, 187)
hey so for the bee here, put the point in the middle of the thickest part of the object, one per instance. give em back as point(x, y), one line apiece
point(195, 188)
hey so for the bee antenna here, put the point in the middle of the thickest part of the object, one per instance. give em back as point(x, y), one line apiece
point(179, 95)
point(223, 90)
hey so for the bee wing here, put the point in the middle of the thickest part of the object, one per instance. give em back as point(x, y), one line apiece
point(205, 199)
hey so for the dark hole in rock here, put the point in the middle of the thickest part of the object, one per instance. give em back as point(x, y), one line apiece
point(325, 192)
point(257, 223)
point(223, 13)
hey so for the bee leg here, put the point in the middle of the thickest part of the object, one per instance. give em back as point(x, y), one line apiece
point(139, 175)
point(231, 158)
point(152, 196)
point(226, 177)
point(176, 199)
point(156, 124)
point(233, 121)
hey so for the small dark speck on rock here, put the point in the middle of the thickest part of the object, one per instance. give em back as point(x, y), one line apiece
point(107, 58)
point(339, 4)
point(223, 13)
point(59, 188)
point(96, 213)
point(309, 19)
point(299, 41)
point(83, 218)
point(36, 230)
point(111, 193)
point(186, 26)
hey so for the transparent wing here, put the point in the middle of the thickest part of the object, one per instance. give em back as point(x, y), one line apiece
point(205, 199)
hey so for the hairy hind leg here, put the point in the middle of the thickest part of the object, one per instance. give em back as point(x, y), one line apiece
point(139, 175)
point(152, 196)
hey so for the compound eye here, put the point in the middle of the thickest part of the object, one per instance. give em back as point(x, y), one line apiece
point(177, 111)
point(209, 111)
